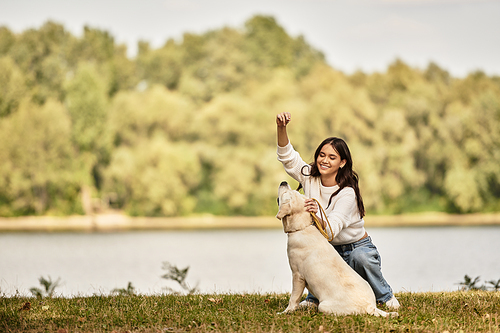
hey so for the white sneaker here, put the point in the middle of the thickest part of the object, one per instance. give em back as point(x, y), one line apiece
point(307, 304)
point(393, 303)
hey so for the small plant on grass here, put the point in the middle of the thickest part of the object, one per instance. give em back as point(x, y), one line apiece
point(129, 291)
point(179, 276)
point(469, 283)
point(48, 285)
point(495, 284)
point(473, 284)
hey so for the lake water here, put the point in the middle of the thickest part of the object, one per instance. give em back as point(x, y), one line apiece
point(232, 261)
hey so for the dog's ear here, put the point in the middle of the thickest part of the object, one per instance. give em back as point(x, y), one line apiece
point(285, 205)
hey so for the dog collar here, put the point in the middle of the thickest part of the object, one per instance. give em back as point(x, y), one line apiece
point(292, 231)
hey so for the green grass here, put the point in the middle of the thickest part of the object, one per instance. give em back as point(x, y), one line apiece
point(461, 311)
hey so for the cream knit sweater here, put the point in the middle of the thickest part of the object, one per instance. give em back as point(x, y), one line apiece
point(343, 214)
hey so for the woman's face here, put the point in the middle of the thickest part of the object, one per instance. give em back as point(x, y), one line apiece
point(329, 161)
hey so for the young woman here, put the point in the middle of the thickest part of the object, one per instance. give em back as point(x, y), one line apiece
point(331, 180)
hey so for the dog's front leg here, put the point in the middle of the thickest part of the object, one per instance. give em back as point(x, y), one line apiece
point(298, 285)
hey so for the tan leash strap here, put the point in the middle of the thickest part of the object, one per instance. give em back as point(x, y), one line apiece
point(318, 223)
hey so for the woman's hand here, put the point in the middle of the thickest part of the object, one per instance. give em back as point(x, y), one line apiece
point(283, 119)
point(311, 206)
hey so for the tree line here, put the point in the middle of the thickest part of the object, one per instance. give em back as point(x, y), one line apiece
point(189, 127)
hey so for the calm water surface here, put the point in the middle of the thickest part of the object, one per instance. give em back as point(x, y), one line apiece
point(233, 261)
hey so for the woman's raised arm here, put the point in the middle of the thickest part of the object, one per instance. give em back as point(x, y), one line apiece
point(282, 120)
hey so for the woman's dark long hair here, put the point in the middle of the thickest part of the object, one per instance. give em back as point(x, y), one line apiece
point(346, 176)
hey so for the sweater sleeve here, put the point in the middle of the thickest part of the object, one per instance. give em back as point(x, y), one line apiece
point(292, 162)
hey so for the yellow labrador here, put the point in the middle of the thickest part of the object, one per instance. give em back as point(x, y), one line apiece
point(317, 266)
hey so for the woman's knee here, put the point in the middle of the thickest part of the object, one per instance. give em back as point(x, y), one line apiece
point(364, 257)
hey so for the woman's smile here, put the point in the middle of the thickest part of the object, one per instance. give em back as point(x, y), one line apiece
point(324, 166)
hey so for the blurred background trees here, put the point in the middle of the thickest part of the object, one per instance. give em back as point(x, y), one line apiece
point(189, 127)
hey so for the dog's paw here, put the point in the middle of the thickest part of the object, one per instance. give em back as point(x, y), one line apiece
point(287, 310)
point(393, 314)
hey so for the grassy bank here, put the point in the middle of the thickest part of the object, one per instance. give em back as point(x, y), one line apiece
point(117, 221)
point(471, 311)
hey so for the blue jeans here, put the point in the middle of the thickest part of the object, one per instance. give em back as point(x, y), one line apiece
point(364, 258)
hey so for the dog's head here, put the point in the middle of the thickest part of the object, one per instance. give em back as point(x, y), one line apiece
point(292, 212)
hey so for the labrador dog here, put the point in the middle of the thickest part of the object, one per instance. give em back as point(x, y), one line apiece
point(317, 266)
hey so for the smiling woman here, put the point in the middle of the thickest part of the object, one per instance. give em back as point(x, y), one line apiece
point(331, 180)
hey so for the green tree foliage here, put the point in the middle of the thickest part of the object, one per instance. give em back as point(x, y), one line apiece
point(42, 56)
point(36, 173)
point(87, 104)
point(189, 127)
point(96, 45)
point(153, 170)
point(155, 177)
point(136, 116)
point(213, 63)
point(122, 72)
point(162, 66)
point(12, 86)
point(7, 39)
point(86, 101)
point(270, 46)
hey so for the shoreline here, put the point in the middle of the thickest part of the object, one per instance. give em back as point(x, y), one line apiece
point(117, 221)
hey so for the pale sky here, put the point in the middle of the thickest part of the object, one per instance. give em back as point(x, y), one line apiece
point(459, 35)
